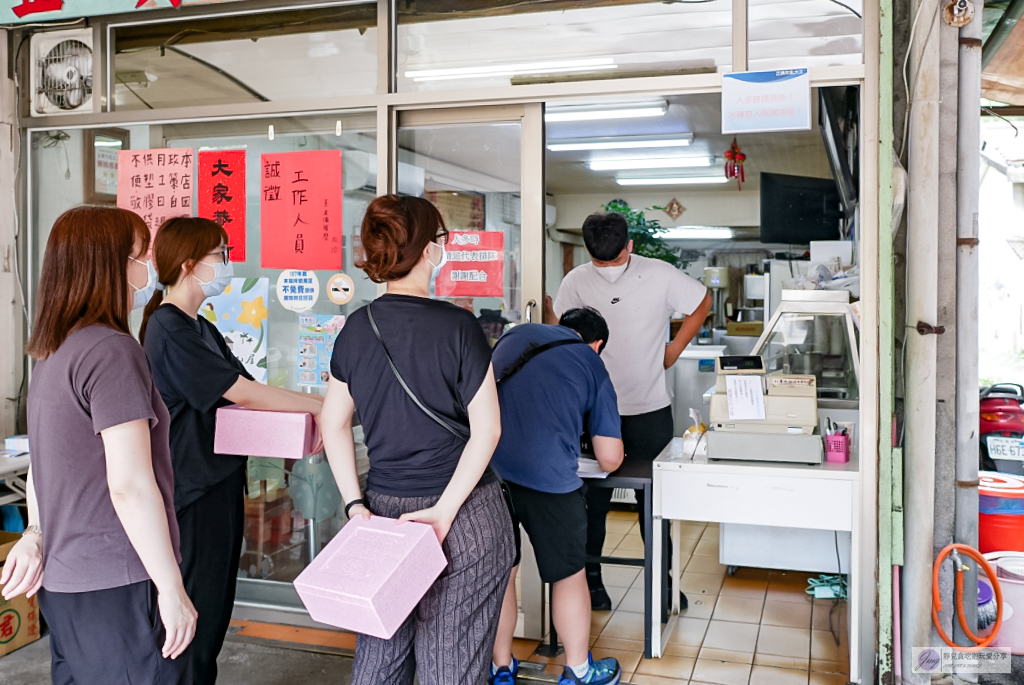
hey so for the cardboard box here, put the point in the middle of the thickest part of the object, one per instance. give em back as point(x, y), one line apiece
point(255, 433)
point(371, 576)
point(750, 329)
point(19, 617)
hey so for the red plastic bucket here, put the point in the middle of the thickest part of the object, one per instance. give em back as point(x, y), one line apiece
point(1000, 512)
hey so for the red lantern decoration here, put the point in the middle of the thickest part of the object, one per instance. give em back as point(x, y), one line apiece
point(734, 159)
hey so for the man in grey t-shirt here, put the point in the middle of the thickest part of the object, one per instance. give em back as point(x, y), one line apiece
point(637, 297)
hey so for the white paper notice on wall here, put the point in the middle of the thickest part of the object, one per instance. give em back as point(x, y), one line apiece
point(760, 101)
point(746, 398)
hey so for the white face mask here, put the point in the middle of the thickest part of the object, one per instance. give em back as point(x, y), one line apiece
point(437, 267)
point(142, 295)
point(222, 275)
point(611, 273)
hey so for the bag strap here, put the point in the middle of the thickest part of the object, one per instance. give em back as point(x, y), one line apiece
point(532, 350)
point(405, 386)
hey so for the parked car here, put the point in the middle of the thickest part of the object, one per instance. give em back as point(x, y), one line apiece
point(1002, 428)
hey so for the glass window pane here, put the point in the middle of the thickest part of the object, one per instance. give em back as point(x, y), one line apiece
point(805, 33)
point(318, 53)
point(471, 172)
point(293, 506)
point(448, 45)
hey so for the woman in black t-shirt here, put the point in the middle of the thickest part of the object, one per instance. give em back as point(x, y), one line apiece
point(428, 456)
point(196, 374)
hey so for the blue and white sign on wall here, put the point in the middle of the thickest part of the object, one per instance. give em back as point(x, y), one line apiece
point(760, 101)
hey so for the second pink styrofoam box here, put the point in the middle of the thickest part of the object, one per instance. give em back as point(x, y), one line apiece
point(256, 433)
point(371, 576)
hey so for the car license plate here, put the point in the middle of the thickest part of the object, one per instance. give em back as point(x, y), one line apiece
point(1006, 448)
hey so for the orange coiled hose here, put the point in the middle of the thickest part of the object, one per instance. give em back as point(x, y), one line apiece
point(966, 550)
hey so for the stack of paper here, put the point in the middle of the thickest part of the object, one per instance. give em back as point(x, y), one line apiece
point(589, 468)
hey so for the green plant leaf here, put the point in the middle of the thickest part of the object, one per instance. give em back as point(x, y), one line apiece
point(249, 284)
point(259, 343)
point(262, 363)
point(644, 233)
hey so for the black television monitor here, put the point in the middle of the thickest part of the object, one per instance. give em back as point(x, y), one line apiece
point(796, 209)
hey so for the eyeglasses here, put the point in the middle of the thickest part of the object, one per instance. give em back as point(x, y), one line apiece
point(224, 253)
point(441, 238)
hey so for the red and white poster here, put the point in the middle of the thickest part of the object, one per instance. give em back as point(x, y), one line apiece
point(156, 184)
point(222, 194)
point(300, 210)
point(476, 265)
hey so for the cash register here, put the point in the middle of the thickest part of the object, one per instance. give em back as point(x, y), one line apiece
point(760, 417)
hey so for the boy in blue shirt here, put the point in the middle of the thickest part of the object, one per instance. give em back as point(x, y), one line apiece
point(550, 381)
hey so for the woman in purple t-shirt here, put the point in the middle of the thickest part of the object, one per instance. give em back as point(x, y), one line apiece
point(100, 485)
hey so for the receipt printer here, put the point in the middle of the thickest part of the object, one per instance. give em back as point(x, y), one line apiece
point(790, 401)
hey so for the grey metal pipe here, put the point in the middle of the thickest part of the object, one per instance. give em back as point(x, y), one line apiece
point(968, 140)
point(1004, 27)
point(922, 305)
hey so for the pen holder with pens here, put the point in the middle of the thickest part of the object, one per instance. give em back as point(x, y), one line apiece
point(837, 448)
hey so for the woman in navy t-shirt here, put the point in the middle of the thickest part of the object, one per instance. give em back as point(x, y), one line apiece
point(428, 463)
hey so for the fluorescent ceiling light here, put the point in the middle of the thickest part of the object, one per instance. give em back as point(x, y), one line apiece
point(631, 110)
point(649, 163)
point(696, 233)
point(621, 143)
point(672, 180)
point(551, 67)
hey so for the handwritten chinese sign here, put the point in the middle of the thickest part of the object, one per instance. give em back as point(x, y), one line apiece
point(759, 101)
point(476, 265)
point(156, 184)
point(222, 195)
point(300, 210)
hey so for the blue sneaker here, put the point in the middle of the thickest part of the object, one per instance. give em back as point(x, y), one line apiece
point(603, 672)
point(505, 675)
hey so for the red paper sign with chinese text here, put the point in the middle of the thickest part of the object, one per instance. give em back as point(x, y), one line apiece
point(222, 195)
point(300, 210)
point(476, 265)
point(156, 184)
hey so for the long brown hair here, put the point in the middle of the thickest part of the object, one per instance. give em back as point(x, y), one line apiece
point(85, 274)
point(396, 230)
point(179, 241)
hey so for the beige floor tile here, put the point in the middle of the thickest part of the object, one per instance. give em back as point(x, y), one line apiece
point(681, 650)
point(523, 649)
point(666, 667)
point(598, 620)
point(792, 642)
point(830, 667)
point(632, 601)
point(618, 526)
point(694, 584)
point(796, 663)
point(700, 606)
point(708, 548)
point(823, 608)
point(628, 659)
point(788, 593)
point(686, 546)
point(824, 648)
point(619, 644)
point(734, 637)
point(732, 657)
point(827, 679)
point(611, 541)
point(632, 542)
point(705, 564)
point(738, 610)
point(616, 594)
point(750, 588)
point(789, 577)
point(720, 673)
point(619, 576)
point(557, 660)
point(787, 614)
point(623, 515)
point(625, 626)
point(626, 553)
point(765, 675)
point(655, 680)
point(688, 631)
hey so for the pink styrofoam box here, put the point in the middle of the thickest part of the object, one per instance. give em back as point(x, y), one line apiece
point(371, 576)
point(256, 433)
